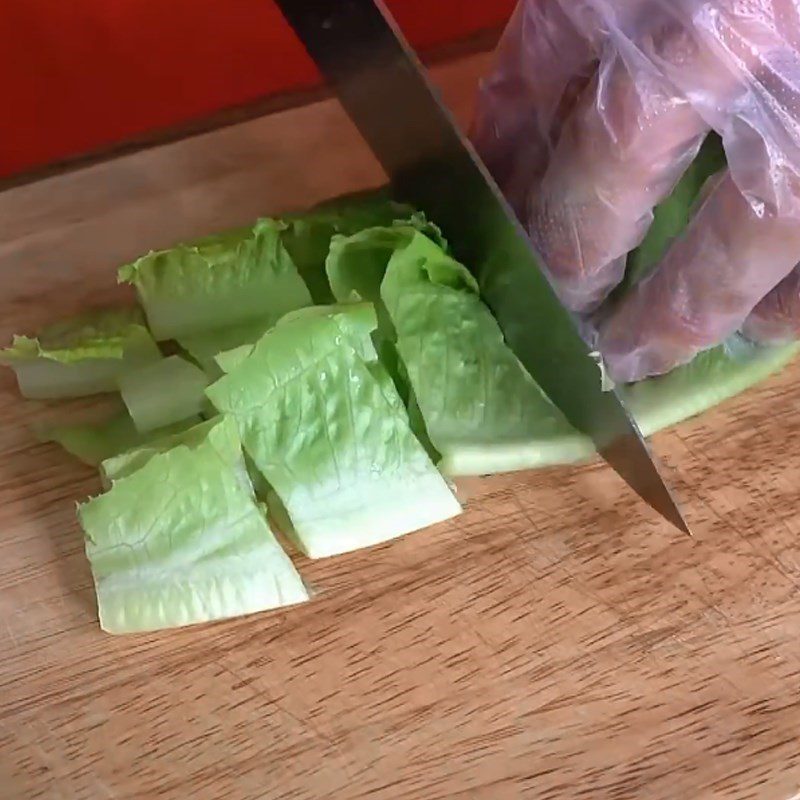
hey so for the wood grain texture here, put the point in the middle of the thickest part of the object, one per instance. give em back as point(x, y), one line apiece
point(556, 641)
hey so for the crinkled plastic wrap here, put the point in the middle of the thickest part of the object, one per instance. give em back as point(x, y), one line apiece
point(776, 319)
point(595, 109)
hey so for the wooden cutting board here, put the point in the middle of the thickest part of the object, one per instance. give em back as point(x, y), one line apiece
point(556, 641)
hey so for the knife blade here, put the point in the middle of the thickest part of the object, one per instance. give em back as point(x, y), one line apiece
point(382, 85)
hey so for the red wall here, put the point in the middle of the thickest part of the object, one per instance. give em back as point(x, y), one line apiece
point(76, 75)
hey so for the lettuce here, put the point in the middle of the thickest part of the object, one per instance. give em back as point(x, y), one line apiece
point(307, 236)
point(205, 347)
point(322, 422)
point(481, 410)
point(122, 464)
point(163, 393)
point(711, 377)
point(181, 540)
point(95, 442)
point(81, 356)
point(218, 282)
point(468, 394)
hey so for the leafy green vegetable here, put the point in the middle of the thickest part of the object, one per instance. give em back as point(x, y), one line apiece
point(672, 215)
point(218, 282)
point(205, 347)
point(181, 540)
point(164, 392)
point(230, 359)
point(659, 403)
point(357, 325)
point(711, 377)
point(328, 432)
point(308, 235)
point(125, 463)
point(94, 443)
point(482, 412)
point(356, 266)
point(81, 356)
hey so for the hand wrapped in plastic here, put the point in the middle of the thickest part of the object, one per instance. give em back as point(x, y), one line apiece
point(594, 112)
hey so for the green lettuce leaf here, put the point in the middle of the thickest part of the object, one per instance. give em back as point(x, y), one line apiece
point(95, 442)
point(164, 392)
point(357, 325)
point(711, 377)
point(205, 347)
point(308, 236)
point(122, 464)
point(481, 410)
point(230, 359)
point(180, 540)
point(81, 356)
point(328, 432)
point(222, 281)
point(672, 215)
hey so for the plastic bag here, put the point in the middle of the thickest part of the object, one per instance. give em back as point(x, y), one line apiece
point(595, 109)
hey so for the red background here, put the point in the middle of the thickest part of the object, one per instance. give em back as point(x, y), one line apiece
point(78, 75)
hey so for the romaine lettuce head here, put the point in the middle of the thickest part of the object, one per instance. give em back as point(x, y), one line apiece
point(481, 410)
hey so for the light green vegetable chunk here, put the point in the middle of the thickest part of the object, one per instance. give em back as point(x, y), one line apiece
point(94, 443)
point(222, 281)
point(180, 541)
point(711, 377)
point(81, 356)
point(308, 235)
point(231, 359)
point(123, 464)
point(205, 347)
point(328, 432)
point(164, 392)
point(482, 411)
point(357, 326)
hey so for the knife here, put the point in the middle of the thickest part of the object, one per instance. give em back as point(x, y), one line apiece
point(382, 85)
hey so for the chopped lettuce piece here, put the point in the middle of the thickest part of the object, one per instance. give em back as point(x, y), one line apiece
point(308, 235)
point(180, 540)
point(356, 266)
point(222, 281)
point(81, 356)
point(123, 464)
point(711, 377)
point(358, 325)
point(231, 359)
point(164, 392)
point(205, 347)
point(94, 443)
point(482, 412)
point(656, 403)
point(330, 436)
point(354, 323)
